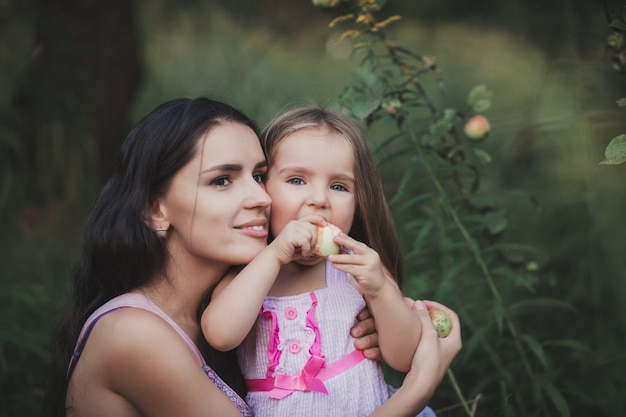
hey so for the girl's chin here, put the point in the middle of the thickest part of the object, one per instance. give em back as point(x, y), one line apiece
point(309, 261)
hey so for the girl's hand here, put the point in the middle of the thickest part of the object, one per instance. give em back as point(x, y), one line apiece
point(297, 239)
point(363, 263)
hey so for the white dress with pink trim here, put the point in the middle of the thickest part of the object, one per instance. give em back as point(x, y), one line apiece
point(300, 360)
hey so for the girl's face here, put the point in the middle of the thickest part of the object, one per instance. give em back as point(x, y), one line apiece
point(312, 172)
point(217, 205)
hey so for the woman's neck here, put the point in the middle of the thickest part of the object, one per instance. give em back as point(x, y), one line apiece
point(180, 294)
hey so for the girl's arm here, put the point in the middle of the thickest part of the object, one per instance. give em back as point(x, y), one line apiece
point(237, 299)
point(428, 367)
point(399, 330)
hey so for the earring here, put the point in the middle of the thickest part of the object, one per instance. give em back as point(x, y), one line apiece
point(161, 233)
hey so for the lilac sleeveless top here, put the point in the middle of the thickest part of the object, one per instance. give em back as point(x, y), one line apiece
point(140, 301)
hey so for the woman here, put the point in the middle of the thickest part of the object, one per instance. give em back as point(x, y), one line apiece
point(186, 202)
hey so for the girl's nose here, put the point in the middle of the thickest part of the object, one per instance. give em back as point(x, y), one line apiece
point(318, 197)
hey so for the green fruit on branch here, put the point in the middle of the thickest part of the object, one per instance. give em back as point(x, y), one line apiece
point(532, 266)
point(391, 106)
point(441, 322)
point(615, 40)
point(325, 244)
point(477, 127)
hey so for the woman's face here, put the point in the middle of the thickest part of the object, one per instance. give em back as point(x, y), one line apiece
point(216, 205)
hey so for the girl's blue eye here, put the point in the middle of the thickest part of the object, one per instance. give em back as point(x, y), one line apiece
point(338, 187)
point(296, 181)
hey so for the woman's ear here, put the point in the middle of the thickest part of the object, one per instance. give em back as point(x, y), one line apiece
point(158, 219)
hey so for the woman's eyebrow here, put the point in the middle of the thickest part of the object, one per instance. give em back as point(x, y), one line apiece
point(232, 167)
point(224, 167)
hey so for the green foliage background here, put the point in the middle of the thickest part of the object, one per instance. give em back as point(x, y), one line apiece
point(558, 254)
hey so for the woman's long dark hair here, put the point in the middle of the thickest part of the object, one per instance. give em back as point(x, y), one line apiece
point(120, 250)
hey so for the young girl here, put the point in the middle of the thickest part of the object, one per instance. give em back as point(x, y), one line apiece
point(299, 359)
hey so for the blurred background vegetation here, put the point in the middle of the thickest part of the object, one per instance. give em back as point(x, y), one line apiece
point(76, 75)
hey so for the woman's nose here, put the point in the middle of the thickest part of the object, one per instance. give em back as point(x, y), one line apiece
point(259, 197)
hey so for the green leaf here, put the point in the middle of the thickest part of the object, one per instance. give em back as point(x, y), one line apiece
point(404, 181)
point(382, 145)
point(557, 399)
point(366, 76)
point(389, 158)
point(429, 139)
point(621, 102)
point(479, 98)
point(481, 201)
point(423, 234)
point(362, 109)
point(540, 302)
point(449, 114)
point(418, 198)
point(618, 24)
point(478, 336)
point(496, 221)
point(615, 152)
point(513, 252)
point(515, 277)
point(536, 348)
point(570, 344)
point(483, 156)
point(499, 314)
point(447, 280)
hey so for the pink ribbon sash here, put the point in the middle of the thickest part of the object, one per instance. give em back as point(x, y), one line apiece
point(311, 378)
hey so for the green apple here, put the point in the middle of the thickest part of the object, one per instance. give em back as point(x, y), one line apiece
point(477, 127)
point(325, 244)
point(615, 40)
point(441, 321)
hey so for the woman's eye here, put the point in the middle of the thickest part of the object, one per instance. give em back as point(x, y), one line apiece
point(295, 181)
point(221, 182)
point(338, 187)
point(260, 178)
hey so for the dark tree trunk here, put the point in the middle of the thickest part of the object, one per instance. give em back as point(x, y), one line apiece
point(71, 105)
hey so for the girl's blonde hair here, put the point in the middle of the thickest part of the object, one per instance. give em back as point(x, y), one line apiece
point(372, 223)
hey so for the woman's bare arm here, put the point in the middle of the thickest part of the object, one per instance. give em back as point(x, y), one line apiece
point(431, 361)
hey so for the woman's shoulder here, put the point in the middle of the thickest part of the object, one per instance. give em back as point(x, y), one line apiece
point(133, 346)
point(132, 334)
point(139, 356)
point(131, 321)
